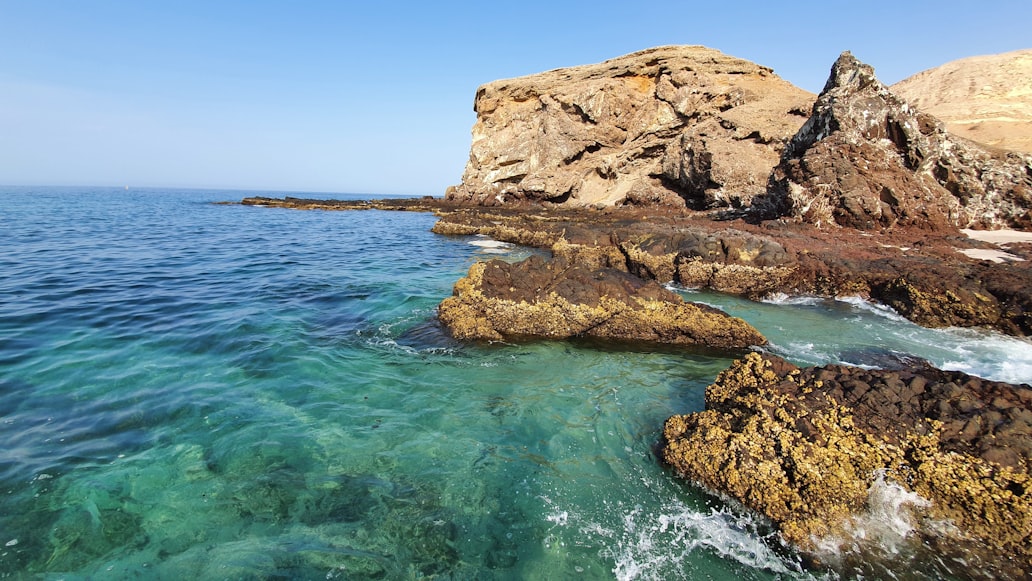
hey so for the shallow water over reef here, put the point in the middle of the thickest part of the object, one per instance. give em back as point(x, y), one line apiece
point(190, 390)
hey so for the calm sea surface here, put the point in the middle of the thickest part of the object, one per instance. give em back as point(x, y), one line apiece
point(200, 391)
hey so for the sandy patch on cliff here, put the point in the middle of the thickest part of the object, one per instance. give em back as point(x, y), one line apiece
point(998, 237)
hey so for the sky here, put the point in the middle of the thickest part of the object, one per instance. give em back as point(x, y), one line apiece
point(377, 97)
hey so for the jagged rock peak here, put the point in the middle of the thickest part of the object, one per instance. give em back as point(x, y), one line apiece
point(866, 159)
point(849, 72)
point(671, 125)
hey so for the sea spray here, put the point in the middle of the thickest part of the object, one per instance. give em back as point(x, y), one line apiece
point(854, 331)
point(891, 515)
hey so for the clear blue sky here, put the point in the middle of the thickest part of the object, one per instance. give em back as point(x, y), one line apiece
point(376, 97)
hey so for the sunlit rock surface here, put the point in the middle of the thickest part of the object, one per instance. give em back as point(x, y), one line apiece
point(866, 159)
point(985, 98)
point(805, 447)
point(671, 125)
point(558, 299)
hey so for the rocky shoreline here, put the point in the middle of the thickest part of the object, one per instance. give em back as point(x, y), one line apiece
point(806, 446)
point(864, 197)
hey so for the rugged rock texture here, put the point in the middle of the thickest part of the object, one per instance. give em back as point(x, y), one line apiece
point(806, 446)
point(865, 159)
point(670, 125)
point(983, 98)
point(559, 299)
point(918, 273)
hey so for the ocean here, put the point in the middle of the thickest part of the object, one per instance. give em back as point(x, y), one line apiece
point(199, 391)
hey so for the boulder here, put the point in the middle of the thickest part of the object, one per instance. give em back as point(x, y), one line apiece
point(806, 447)
point(866, 159)
point(559, 299)
point(672, 125)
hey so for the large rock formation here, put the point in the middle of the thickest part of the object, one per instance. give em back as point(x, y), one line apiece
point(559, 299)
point(806, 447)
point(865, 159)
point(670, 125)
point(983, 98)
point(920, 274)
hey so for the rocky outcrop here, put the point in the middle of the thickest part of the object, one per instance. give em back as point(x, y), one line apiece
point(865, 159)
point(987, 98)
point(424, 204)
point(672, 125)
point(806, 447)
point(918, 273)
point(559, 299)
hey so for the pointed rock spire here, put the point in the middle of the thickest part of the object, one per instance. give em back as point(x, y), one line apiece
point(866, 159)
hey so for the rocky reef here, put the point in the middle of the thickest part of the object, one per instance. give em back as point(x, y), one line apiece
point(806, 446)
point(919, 274)
point(865, 200)
point(559, 299)
point(672, 125)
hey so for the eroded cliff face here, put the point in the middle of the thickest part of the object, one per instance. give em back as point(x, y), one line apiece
point(680, 125)
point(867, 160)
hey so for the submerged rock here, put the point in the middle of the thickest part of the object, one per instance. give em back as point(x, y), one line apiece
point(560, 299)
point(671, 125)
point(865, 159)
point(806, 447)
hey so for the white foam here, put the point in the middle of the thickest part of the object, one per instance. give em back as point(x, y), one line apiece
point(986, 354)
point(650, 545)
point(490, 246)
point(862, 304)
point(801, 352)
point(784, 299)
point(890, 519)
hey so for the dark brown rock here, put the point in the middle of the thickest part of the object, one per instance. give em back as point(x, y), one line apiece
point(865, 159)
point(559, 299)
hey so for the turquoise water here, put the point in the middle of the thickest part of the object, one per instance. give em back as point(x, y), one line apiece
point(190, 390)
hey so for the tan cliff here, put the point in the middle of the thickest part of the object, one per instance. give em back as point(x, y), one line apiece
point(983, 98)
point(675, 125)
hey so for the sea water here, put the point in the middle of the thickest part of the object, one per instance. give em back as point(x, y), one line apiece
point(200, 391)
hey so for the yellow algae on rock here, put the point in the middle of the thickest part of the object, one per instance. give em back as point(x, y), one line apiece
point(805, 447)
point(558, 299)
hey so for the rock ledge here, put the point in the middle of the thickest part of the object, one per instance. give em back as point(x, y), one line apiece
point(558, 299)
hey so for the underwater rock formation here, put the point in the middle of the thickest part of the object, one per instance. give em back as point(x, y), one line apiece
point(805, 447)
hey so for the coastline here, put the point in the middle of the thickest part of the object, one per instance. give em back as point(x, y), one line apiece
point(650, 245)
point(705, 171)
